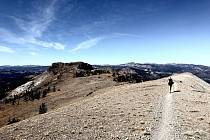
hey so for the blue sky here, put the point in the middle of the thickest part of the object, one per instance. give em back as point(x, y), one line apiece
point(40, 32)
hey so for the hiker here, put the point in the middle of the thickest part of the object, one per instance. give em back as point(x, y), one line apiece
point(170, 83)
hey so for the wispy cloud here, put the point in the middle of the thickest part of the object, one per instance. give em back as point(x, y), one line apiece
point(39, 21)
point(87, 44)
point(7, 36)
point(5, 49)
point(91, 42)
point(12, 38)
point(127, 35)
point(33, 27)
point(55, 45)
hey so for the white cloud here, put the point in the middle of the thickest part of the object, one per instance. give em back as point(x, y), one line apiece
point(55, 45)
point(94, 41)
point(87, 44)
point(127, 35)
point(10, 37)
point(34, 28)
point(39, 21)
point(6, 49)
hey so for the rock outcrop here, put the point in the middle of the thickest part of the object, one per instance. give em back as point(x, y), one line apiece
point(61, 68)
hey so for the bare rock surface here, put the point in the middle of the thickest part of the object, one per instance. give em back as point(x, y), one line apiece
point(134, 111)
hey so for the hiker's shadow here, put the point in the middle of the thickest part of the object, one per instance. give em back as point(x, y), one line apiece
point(176, 91)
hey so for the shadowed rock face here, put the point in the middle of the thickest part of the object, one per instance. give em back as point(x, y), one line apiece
point(85, 66)
point(127, 75)
point(69, 67)
point(134, 75)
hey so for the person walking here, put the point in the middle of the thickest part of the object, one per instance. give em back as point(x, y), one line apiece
point(170, 83)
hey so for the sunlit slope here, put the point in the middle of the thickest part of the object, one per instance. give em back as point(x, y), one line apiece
point(133, 111)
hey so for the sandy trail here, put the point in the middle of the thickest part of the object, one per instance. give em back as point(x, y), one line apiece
point(185, 112)
point(166, 129)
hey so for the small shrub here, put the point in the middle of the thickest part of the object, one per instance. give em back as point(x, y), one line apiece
point(13, 120)
point(42, 108)
point(37, 95)
point(54, 89)
point(48, 89)
point(44, 94)
point(31, 95)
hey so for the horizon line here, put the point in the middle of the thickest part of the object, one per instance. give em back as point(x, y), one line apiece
point(173, 63)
